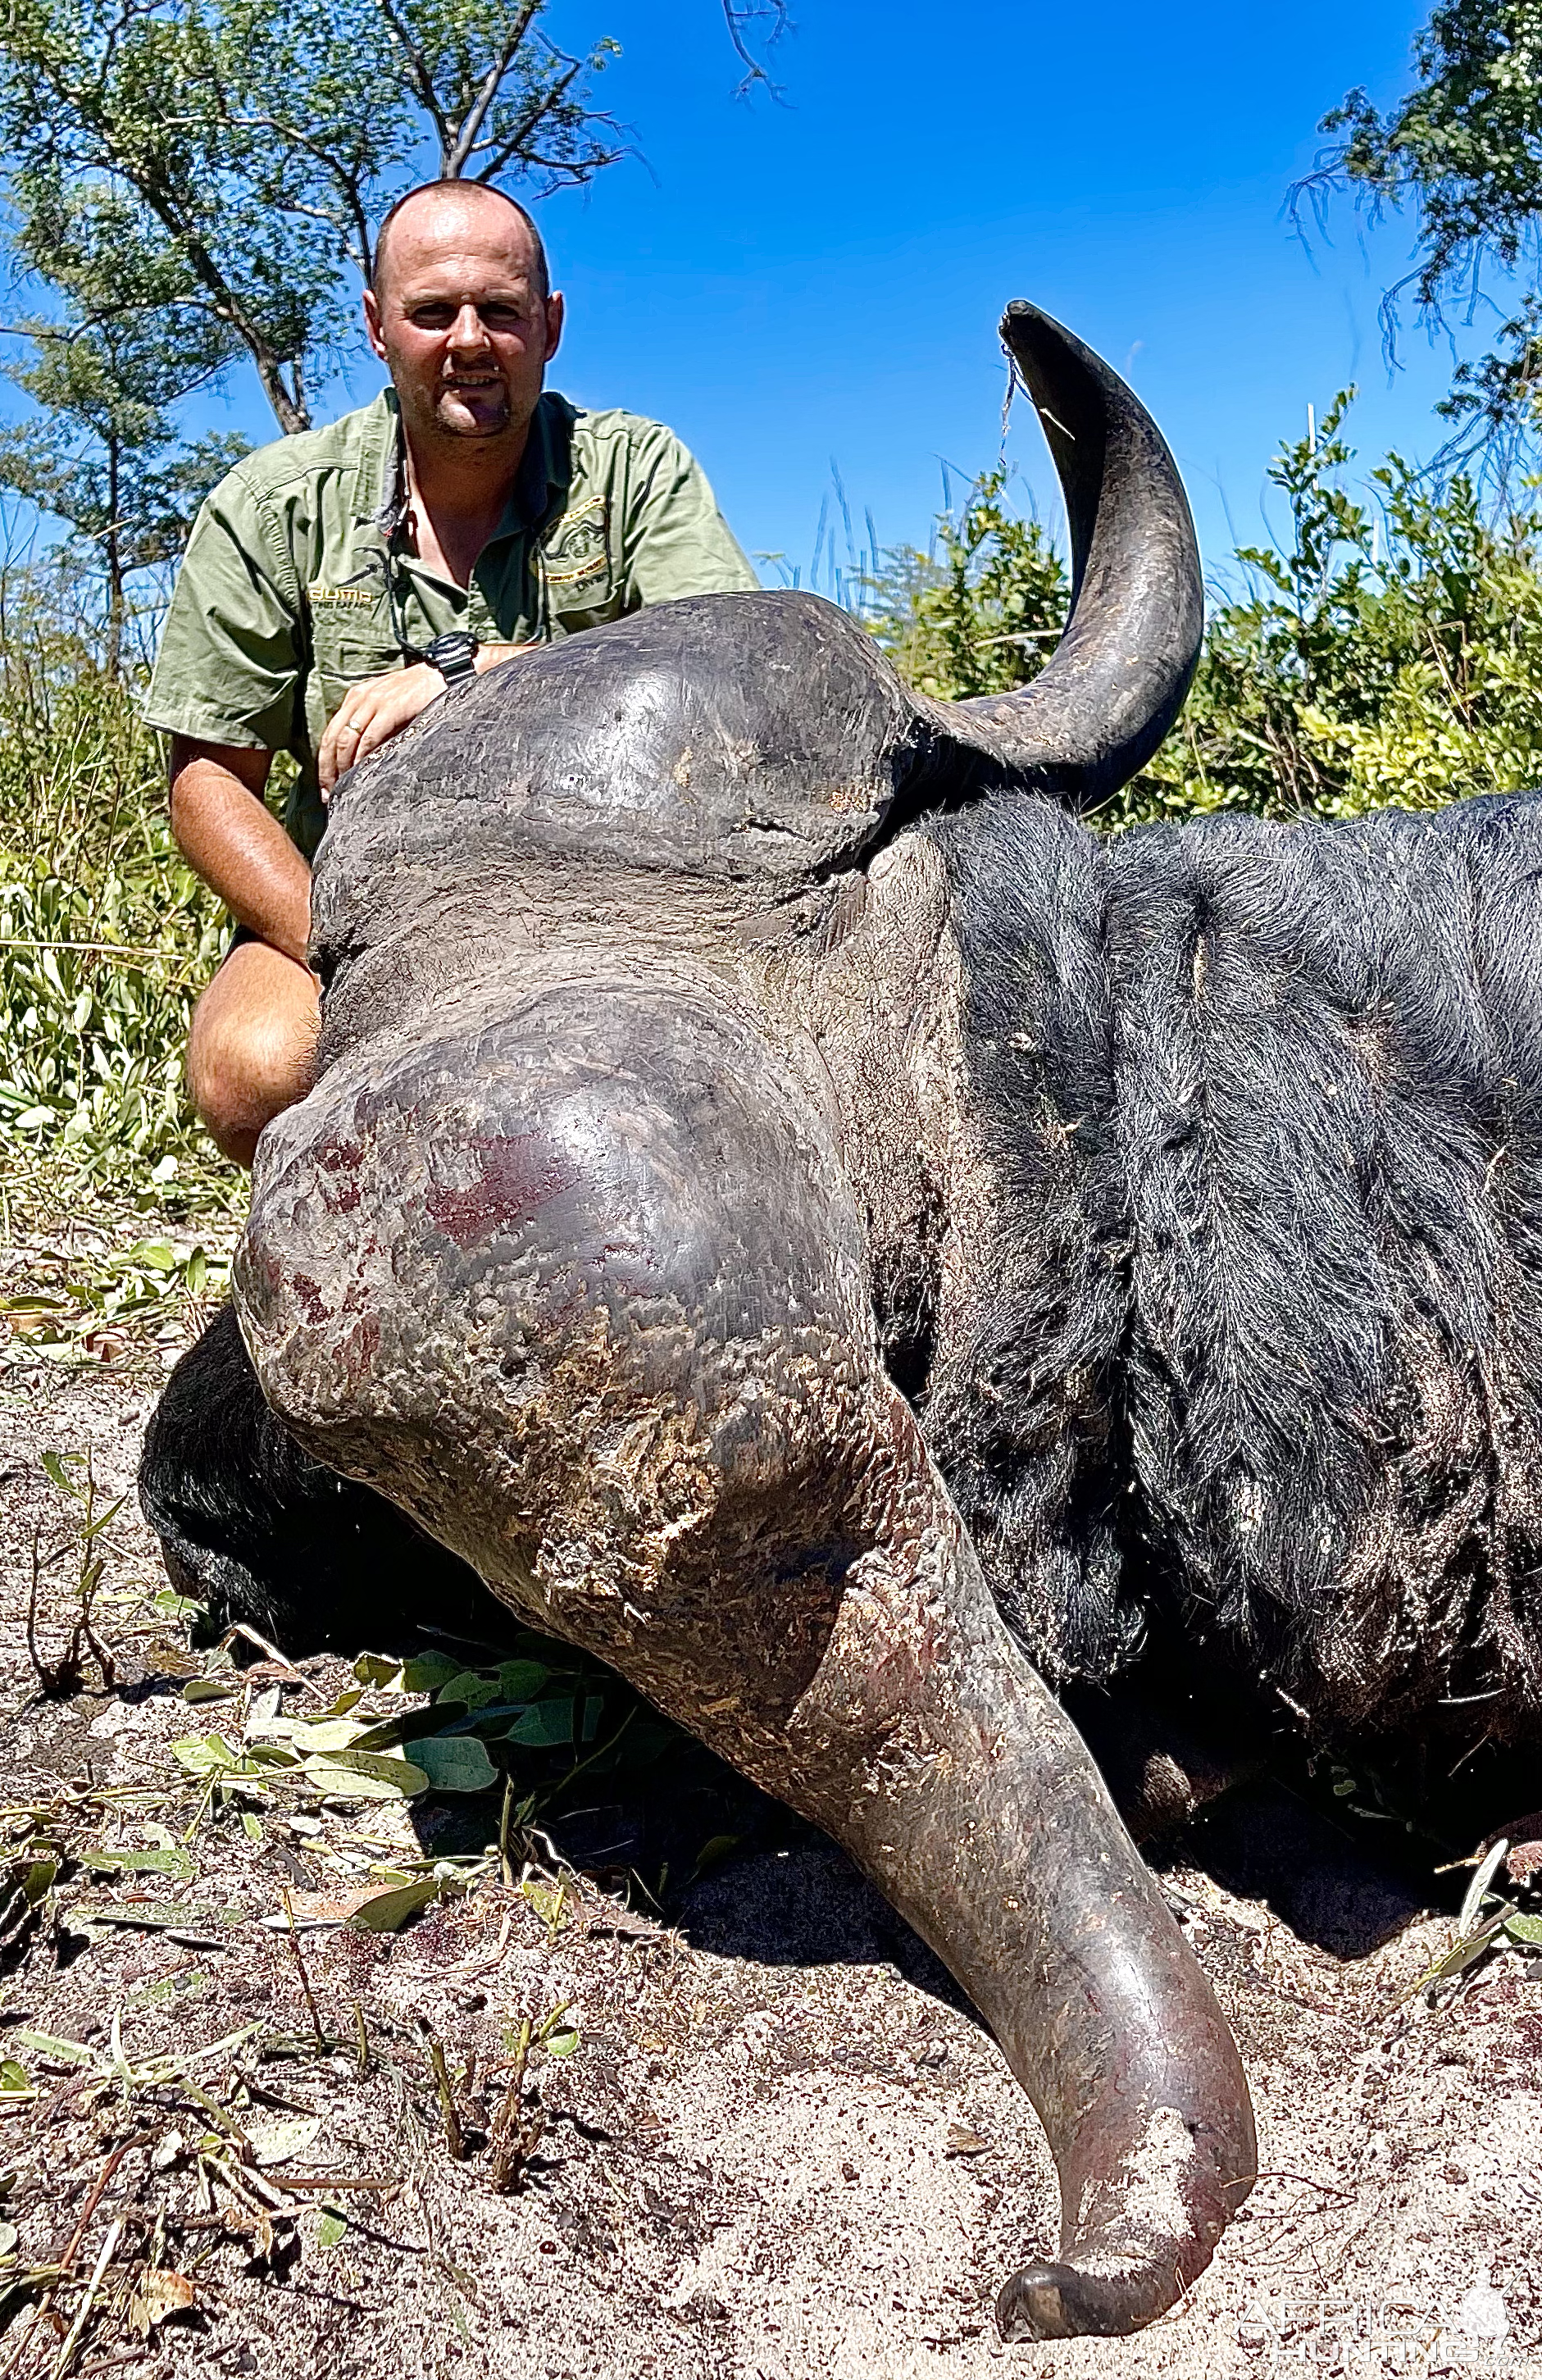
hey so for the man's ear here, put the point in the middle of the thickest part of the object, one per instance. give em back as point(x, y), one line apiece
point(371, 324)
point(556, 314)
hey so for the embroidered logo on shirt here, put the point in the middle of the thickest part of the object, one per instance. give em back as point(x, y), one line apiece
point(361, 598)
point(578, 548)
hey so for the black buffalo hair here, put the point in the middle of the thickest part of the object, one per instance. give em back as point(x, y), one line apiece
point(1021, 1409)
point(1264, 1344)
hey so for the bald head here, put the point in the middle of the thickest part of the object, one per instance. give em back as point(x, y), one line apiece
point(460, 314)
point(440, 212)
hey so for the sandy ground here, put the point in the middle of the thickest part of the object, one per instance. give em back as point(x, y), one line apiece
point(782, 2146)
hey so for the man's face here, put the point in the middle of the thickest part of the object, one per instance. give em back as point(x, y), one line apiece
point(457, 322)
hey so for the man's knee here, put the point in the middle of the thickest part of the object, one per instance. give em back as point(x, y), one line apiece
point(251, 1048)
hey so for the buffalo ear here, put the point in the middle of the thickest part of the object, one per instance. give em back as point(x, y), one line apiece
point(1117, 679)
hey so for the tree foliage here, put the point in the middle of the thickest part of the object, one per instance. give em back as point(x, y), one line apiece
point(1463, 152)
point(105, 456)
point(218, 164)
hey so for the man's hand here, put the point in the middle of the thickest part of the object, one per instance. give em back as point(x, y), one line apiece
point(372, 713)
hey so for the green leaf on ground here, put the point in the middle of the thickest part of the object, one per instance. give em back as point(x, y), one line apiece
point(50, 2045)
point(326, 1735)
point(406, 1724)
point(426, 1673)
point(520, 1682)
point(544, 1725)
point(467, 1688)
point(34, 1877)
point(369, 1776)
point(454, 1764)
point(389, 1910)
point(54, 1464)
point(174, 1606)
point(156, 1862)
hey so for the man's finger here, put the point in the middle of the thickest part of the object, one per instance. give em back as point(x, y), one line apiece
point(370, 715)
point(339, 744)
point(386, 721)
point(396, 705)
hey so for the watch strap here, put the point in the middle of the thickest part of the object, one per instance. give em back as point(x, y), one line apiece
point(453, 655)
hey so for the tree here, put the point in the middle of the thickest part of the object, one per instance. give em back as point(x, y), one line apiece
point(107, 461)
point(1462, 149)
point(218, 164)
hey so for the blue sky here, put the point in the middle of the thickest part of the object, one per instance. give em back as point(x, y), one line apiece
point(819, 281)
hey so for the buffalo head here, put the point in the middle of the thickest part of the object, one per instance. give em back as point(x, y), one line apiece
point(646, 1195)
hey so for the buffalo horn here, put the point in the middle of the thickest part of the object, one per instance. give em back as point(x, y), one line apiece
point(1117, 679)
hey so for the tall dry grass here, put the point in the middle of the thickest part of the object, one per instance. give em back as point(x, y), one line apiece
point(106, 934)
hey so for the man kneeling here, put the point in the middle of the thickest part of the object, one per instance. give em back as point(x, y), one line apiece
point(335, 583)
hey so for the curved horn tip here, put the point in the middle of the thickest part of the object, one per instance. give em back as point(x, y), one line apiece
point(1057, 2301)
point(1042, 2302)
point(1117, 680)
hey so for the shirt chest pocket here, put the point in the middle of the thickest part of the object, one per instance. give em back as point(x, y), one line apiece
point(351, 640)
point(577, 567)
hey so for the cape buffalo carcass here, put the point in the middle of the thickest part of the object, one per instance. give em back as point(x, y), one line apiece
point(801, 1218)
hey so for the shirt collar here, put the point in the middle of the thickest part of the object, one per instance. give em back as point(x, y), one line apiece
point(540, 495)
point(389, 461)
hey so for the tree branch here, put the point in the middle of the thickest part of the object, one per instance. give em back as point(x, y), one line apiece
point(476, 116)
point(739, 16)
point(418, 70)
point(517, 143)
point(452, 163)
point(348, 180)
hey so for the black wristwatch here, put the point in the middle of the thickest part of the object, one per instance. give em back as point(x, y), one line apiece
point(453, 655)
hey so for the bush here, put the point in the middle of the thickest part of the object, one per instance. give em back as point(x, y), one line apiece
point(1390, 651)
point(1385, 651)
point(982, 611)
point(105, 935)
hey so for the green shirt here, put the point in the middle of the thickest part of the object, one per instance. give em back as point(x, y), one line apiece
point(297, 581)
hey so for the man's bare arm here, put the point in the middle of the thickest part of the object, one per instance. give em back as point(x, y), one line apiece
point(232, 840)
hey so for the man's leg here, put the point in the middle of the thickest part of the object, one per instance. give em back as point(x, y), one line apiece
point(252, 1047)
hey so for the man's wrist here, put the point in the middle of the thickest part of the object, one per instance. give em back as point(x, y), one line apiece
point(453, 655)
point(493, 656)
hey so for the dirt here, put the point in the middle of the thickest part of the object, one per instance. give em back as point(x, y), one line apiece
point(782, 2146)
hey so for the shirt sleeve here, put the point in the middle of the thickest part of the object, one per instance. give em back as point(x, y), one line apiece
point(675, 541)
point(231, 661)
